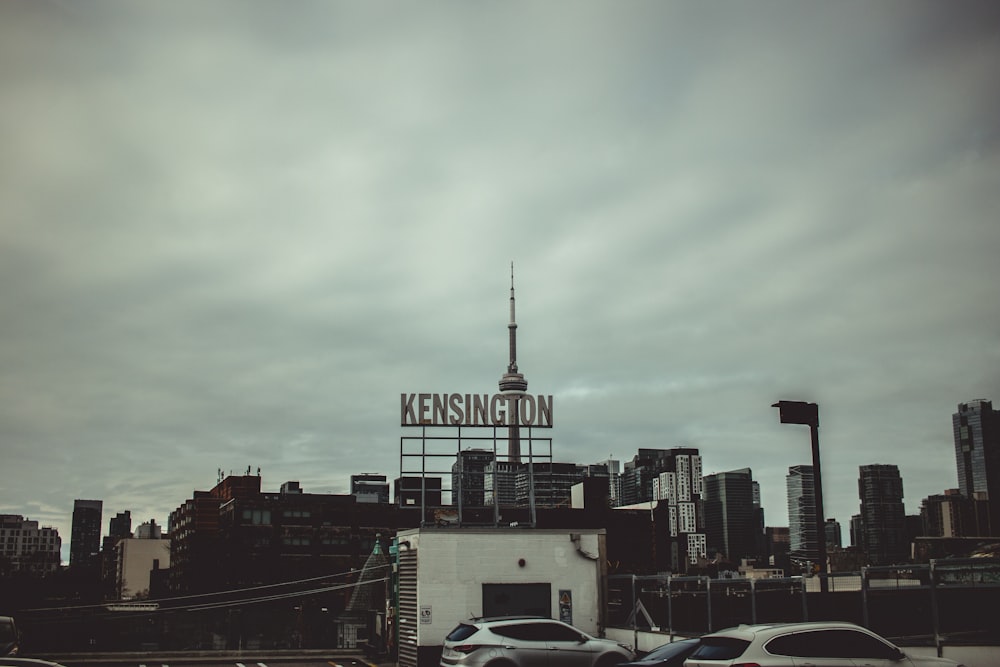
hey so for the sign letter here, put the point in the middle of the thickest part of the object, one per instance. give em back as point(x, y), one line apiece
point(406, 414)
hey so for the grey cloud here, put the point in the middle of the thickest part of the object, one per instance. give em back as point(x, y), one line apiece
point(233, 235)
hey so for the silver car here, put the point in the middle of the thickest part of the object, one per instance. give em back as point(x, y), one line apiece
point(528, 642)
point(820, 644)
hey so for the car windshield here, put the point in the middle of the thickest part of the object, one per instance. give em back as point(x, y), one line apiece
point(670, 650)
point(461, 633)
point(720, 648)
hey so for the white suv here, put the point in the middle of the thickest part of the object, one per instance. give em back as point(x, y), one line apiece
point(528, 642)
point(830, 644)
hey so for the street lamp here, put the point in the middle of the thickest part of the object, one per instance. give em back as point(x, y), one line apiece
point(800, 412)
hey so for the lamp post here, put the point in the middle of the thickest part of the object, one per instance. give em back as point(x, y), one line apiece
point(800, 412)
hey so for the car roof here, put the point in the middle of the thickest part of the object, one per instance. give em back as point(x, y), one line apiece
point(749, 632)
point(501, 619)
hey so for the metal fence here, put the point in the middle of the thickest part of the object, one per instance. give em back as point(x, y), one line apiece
point(943, 602)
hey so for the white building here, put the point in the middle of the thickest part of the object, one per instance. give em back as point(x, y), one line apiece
point(28, 548)
point(447, 576)
point(149, 530)
point(136, 559)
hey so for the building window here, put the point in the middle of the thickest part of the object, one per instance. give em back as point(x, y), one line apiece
point(257, 517)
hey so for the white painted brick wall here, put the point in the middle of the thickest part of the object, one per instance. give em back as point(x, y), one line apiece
point(454, 563)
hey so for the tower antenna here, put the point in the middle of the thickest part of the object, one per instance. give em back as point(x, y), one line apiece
point(512, 383)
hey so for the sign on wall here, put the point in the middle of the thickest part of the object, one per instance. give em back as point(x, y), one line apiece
point(566, 606)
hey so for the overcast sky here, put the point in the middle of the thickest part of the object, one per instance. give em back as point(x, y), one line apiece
point(232, 234)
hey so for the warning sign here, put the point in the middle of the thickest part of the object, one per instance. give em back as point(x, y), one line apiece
point(566, 606)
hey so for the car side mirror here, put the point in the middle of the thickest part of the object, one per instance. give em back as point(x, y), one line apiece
point(582, 639)
point(897, 654)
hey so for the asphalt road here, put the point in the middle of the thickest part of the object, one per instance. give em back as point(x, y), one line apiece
point(284, 662)
point(332, 659)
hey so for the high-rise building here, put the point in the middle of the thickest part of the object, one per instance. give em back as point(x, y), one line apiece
point(614, 467)
point(946, 514)
point(976, 428)
point(641, 473)
point(85, 533)
point(833, 538)
point(25, 547)
point(120, 525)
point(195, 545)
point(370, 488)
point(883, 519)
point(551, 484)
point(734, 524)
point(500, 482)
point(676, 490)
point(119, 528)
point(800, 486)
point(857, 531)
point(468, 477)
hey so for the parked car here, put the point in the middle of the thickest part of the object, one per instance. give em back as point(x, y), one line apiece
point(668, 655)
point(27, 662)
point(830, 644)
point(10, 638)
point(528, 642)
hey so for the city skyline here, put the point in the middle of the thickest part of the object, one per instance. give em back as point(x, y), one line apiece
point(233, 235)
point(364, 485)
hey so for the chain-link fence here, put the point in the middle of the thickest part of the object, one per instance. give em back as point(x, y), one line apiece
point(943, 602)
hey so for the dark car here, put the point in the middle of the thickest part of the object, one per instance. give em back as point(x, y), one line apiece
point(668, 655)
point(10, 638)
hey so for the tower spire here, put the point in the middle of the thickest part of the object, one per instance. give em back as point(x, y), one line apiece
point(512, 382)
point(512, 327)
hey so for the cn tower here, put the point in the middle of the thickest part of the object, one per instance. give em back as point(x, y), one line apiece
point(513, 384)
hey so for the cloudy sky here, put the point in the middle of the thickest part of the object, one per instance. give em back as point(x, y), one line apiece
point(232, 234)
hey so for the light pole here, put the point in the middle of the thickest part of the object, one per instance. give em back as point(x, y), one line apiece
point(800, 412)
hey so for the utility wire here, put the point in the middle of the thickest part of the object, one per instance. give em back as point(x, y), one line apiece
point(270, 598)
point(233, 591)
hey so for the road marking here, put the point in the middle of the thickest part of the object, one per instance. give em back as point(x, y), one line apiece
point(240, 664)
point(261, 664)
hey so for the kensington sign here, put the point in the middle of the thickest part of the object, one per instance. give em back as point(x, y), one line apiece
point(475, 410)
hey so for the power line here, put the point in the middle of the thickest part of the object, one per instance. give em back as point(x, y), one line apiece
point(229, 592)
point(271, 598)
